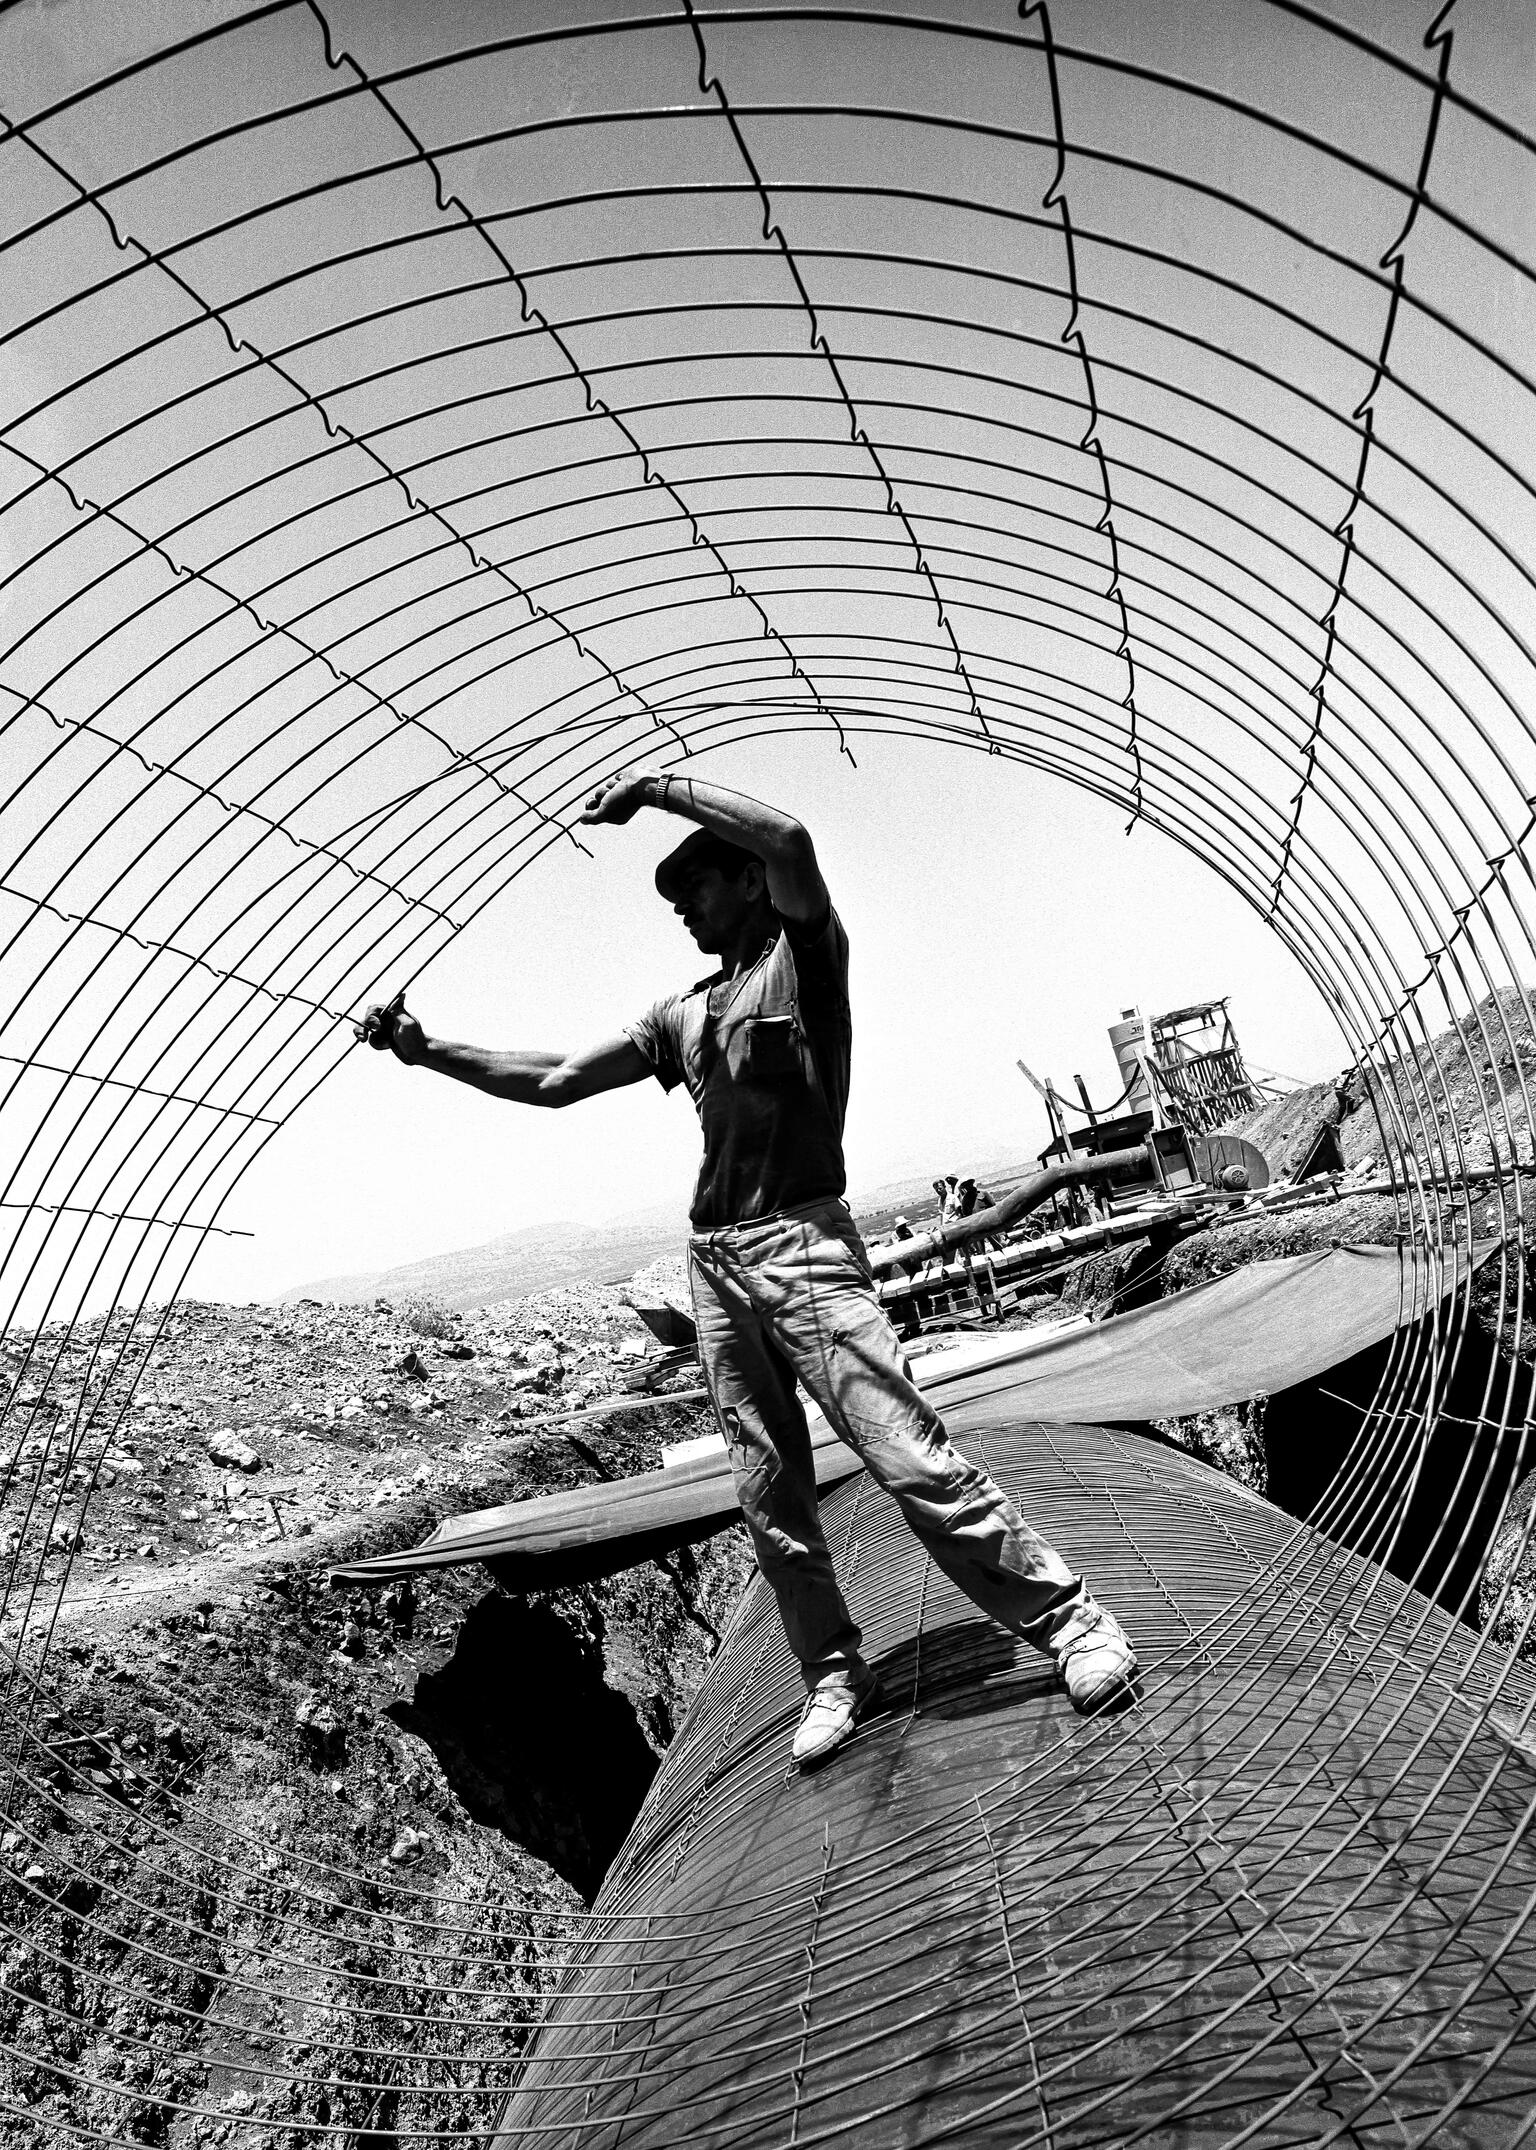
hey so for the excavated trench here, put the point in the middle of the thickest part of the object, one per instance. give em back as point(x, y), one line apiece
point(532, 1740)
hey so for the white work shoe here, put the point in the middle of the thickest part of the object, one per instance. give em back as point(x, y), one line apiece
point(832, 1709)
point(1094, 1657)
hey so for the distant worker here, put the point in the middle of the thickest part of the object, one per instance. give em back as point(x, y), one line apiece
point(903, 1230)
point(969, 1201)
point(781, 1283)
point(941, 1189)
point(985, 1201)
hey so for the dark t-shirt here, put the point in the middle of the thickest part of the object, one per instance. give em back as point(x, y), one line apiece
point(766, 1059)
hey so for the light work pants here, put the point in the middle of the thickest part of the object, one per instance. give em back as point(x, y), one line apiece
point(793, 1295)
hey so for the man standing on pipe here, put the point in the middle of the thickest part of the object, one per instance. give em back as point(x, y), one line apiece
point(781, 1286)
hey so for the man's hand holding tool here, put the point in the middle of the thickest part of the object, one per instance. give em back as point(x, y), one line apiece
point(618, 799)
point(387, 1027)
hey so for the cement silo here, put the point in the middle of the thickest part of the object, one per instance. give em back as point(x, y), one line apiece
point(1128, 1040)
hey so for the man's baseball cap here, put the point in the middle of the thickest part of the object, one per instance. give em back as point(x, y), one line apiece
point(702, 848)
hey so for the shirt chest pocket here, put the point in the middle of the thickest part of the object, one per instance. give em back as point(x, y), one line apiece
point(765, 1049)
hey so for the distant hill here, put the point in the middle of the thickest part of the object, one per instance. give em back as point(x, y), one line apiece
point(541, 1256)
point(534, 1259)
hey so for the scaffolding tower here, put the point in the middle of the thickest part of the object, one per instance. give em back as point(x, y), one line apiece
point(1197, 1067)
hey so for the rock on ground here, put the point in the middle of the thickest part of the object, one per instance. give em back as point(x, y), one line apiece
point(1507, 1600)
point(1231, 1439)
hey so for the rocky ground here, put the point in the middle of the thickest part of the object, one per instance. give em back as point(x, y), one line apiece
point(1507, 1603)
point(211, 1430)
point(276, 1850)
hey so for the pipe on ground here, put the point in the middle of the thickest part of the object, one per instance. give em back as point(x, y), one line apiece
point(984, 1223)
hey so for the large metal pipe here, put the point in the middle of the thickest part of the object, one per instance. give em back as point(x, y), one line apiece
point(1054, 1248)
point(983, 1223)
point(990, 1923)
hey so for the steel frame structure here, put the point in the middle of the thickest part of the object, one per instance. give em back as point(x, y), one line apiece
point(1016, 382)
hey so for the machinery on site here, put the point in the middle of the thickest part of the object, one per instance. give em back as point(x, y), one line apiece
point(1108, 1175)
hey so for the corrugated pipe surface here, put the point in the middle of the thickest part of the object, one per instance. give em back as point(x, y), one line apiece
point(1276, 1902)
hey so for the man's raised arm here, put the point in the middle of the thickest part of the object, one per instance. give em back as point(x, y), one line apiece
point(795, 886)
point(531, 1078)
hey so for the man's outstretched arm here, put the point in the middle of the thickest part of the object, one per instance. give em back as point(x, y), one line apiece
point(530, 1078)
point(783, 844)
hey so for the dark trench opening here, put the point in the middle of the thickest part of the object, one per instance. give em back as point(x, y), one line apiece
point(532, 1739)
point(1441, 1524)
point(1441, 1528)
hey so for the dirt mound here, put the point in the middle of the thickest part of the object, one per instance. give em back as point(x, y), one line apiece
point(1360, 1220)
point(1460, 1102)
point(1285, 1128)
point(541, 1258)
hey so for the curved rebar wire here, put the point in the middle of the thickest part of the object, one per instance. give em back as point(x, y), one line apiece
point(457, 854)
